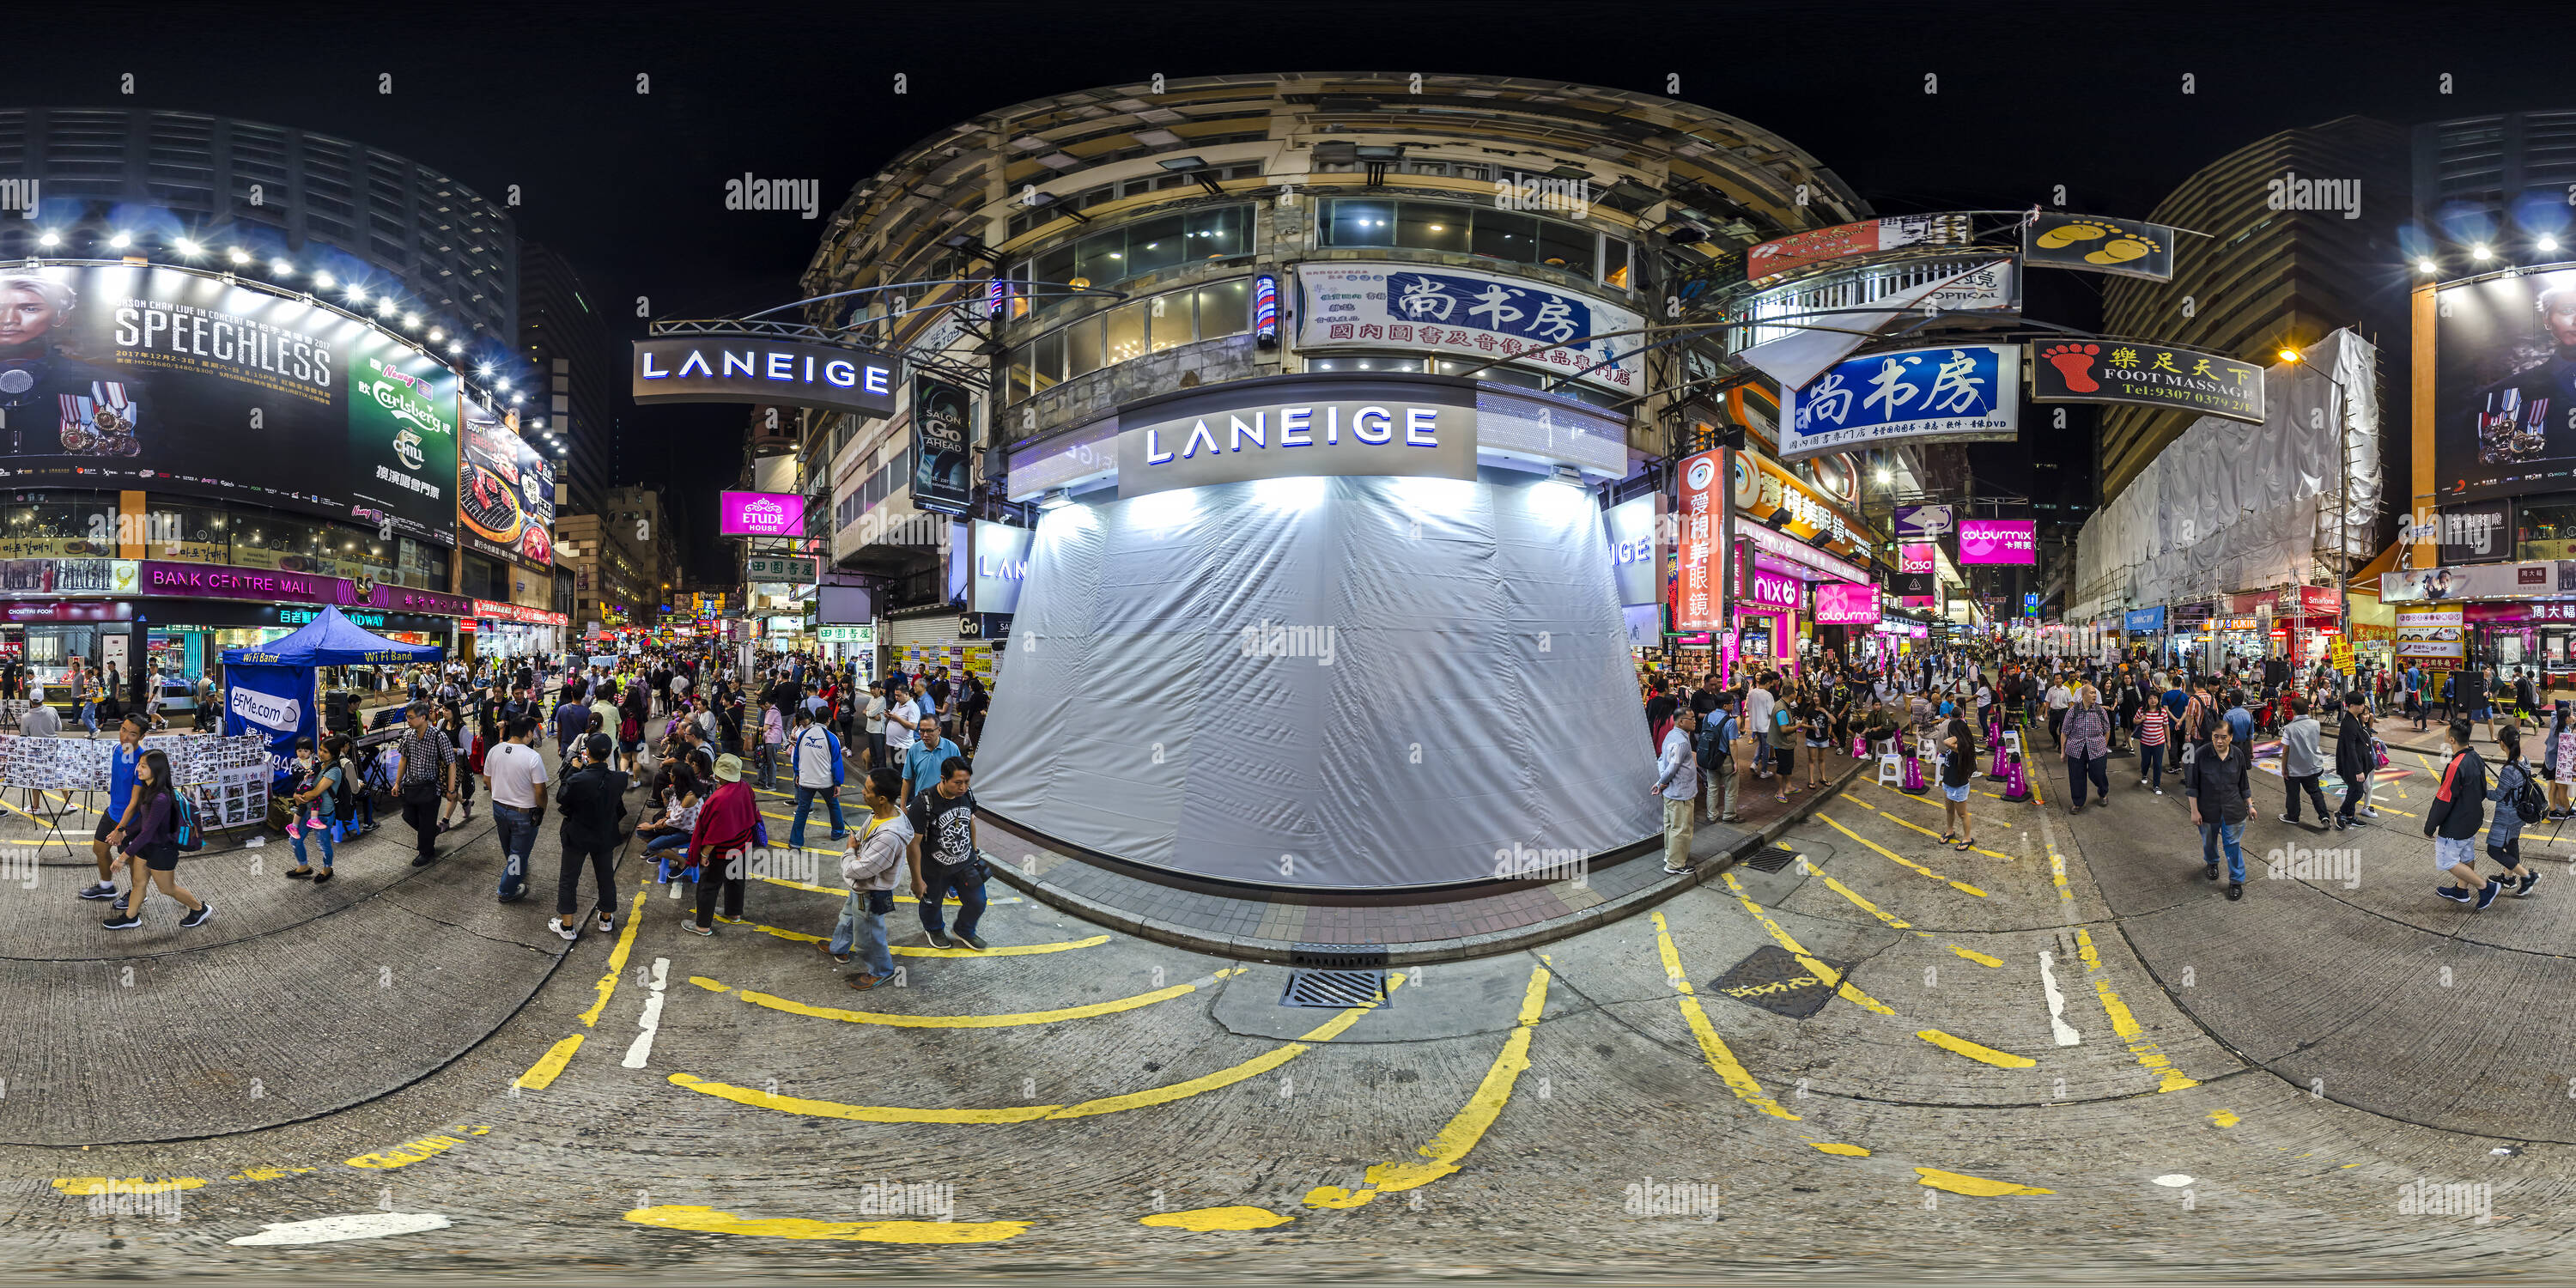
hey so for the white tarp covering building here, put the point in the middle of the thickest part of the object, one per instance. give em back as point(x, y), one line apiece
point(2233, 507)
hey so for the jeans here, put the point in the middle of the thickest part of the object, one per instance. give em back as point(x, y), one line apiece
point(2151, 764)
point(768, 757)
point(89, 716)
point(1721, 788)
point(2307, 782)
point(324, 832)
point(966, 880)
point(602, 856)
point(518, 836)
point(670, 850)
point(1678, 822)
point(2212, 833)
point(862, 925)
point(2356, 789)
point(2097, 768)
point(805, 797)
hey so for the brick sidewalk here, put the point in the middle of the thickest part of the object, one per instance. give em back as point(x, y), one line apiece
point(1250, 924)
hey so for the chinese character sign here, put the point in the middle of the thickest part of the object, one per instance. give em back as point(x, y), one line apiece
point(1696, 513)
point(2149, 375)
point(1473, 315)
point(1998, 541)
point(1963, 393)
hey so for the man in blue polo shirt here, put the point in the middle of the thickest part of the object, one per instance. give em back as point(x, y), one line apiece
point(926, 762)
point(122, 760)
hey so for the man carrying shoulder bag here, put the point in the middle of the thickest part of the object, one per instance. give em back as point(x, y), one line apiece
point(1716, 753)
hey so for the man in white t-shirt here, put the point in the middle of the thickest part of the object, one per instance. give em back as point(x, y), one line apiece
point(515, 773)
point(875, 717)
point(902, 718)
point(2060, 697)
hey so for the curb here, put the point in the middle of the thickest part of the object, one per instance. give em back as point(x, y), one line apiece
point(1278, 952)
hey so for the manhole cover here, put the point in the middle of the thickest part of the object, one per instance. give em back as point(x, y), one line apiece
point(1334, 989)
point(1772, 858)
point(1777, 982)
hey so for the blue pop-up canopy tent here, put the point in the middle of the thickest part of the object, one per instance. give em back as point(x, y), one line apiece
point(271, 688)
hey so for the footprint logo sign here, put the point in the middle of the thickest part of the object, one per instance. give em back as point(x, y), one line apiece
point(2107, 245)
point(2074, 363)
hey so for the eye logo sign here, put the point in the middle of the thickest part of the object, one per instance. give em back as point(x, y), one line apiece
point(1701, 471)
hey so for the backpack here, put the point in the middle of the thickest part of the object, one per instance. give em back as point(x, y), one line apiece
point(184, 831)
point(2528, 803)
point(344, 798)
point(1716, 742)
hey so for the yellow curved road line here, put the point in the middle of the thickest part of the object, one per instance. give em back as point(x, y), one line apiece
point(1983, 1187)
point(1163, 1095)
point(964, 1021)
point(2124, 1023)
point(1006, 950)
point(707, 1220)
point(1441, 1156)
point(1712, 1047)
point(844, 892)
point(1898, 859)
point(616, 960)
point(1974, 1051)
point(1203, 1220)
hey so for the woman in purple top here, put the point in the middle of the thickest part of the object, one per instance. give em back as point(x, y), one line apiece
point(153, 847)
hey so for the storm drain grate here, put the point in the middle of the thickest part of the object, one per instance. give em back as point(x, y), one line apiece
point(1772, 858)
point(1334, 989)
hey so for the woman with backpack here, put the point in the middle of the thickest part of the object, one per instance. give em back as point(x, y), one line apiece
point(153, 846)
point(2518, 804)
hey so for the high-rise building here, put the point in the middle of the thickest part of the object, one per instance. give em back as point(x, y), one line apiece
point(2266, 264)
point(568, 347)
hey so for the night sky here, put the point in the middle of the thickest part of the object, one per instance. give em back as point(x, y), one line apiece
point(629, 186)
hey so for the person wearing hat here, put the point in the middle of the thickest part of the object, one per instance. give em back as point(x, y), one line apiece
point(593, 801)
point(721, 844)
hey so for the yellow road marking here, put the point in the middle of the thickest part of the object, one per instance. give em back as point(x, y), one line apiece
point(549, 1066)
point(266, 1173)
point(1162, 1095)
point(844, 892)
point(2224, 1118)
point(1977, 957)
point(2125, 1024)
point(707, 1220)
point(964, 1021)
point(1898, 859)
point(1982, 1054)
point(1455, 1141)
point(2057, 874)
point(1712, 1047)
point(1847, 1151)
point(1973, 1186)
point(1203, 1220)
point(1865, 905)
point(616, 961)
point(1833, 979)
point(415, 1151)
point(1006, 950)
point(125, 1185)
point(1936, 836)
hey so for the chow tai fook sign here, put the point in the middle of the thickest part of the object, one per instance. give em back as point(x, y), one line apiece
point(747, 369)
point(2544, 579)
point(1952, 394)
point(2147, 375)
point(1298, 426)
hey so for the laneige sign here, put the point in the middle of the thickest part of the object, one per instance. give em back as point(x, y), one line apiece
point(1291, 426)
point(788, 373)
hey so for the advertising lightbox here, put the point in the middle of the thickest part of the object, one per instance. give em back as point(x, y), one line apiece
point(761, 514)
point(1998, 541)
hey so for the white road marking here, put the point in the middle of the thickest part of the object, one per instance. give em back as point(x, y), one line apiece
point(337, 1229)
point(2173, 1181)
point(651, 1020)
point(2065, 1032)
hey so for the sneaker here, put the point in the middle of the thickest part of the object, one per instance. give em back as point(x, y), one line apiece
point(564, 928)
point(2210, 871)
point(103, 890)
point(975, 942)
point(2287, 819)
point(122, 921)
point(2453, 893)
point(2487, 894)
point(198, 917)
point(294, 829)
point(2522, 889)
point(1671, 871)
point(606, 923)
point(2341, 823)
point(2142, 782)
point(691, 925)
point(2235, 890)
point(2160, 791)
point(826, 950)
point(939, 939)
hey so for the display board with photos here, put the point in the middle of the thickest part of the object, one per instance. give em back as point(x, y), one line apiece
point(84, 764)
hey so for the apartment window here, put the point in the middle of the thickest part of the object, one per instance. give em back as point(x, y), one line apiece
point(1225, 309)
point(1428, 225)
point(1361, 223)
point(1131, 330)
point(1123, 333)
point(1144, 246)
point(1494, 234)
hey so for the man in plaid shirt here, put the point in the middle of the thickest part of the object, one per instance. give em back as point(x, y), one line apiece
point(428, 776)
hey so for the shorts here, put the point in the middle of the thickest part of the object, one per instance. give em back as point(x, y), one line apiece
point(630, 746)
point(106, 824)
point(163, 857)
point(2454, 851)
point(1819, 742)
point(1955, 795)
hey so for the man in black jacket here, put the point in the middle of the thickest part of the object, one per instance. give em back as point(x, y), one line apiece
point(593, 801)
point(2221, 799)
point(2459, 809)
point(2353, 759)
